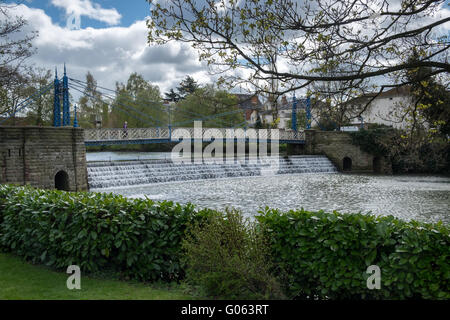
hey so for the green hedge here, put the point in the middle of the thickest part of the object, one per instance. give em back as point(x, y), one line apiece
point(326, 255)
point(316, 254)
point(138, 238)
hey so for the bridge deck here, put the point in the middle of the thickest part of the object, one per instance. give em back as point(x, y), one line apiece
point(165, 135)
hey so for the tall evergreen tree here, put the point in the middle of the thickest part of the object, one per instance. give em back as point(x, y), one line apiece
point(187, 86)
point(172, 95)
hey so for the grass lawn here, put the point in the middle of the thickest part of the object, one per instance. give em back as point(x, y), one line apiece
point(22, 280)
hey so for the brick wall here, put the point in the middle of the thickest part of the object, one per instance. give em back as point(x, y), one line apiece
point(34, 155)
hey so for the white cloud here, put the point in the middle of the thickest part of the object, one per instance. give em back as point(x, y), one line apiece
point(89, 9)
point(111, 54)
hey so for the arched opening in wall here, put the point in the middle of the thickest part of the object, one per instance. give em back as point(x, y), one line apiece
point(376, 163)
point(62, 181)
point(347, 164)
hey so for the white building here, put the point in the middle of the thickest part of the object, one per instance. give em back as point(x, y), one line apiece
point(387, 108)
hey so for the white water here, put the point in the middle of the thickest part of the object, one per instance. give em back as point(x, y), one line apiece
point(248, 188)
point(109, 174)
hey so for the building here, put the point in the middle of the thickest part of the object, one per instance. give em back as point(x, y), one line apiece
point(284, 113)
point(387, 108)
point(281, 113)
point(252, 107)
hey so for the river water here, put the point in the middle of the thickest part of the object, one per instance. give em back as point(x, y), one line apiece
point(422, 198)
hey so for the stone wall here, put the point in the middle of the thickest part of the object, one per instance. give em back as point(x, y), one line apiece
point(34, 155)
point(338, 146)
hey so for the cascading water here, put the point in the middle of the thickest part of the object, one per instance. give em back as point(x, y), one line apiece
point(139, 172)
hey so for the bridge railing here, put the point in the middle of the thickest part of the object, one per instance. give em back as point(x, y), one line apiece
point(292, 135)
point(175, 134)
point(128, 134)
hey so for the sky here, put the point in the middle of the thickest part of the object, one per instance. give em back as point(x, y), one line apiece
point(107, 38)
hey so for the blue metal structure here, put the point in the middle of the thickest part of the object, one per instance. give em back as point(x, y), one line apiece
point(294, 114)
point(307, 105)
point(66, 107)
point(56, 103)
point(308, 113)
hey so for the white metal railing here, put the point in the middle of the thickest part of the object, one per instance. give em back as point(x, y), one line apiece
point(176, 134)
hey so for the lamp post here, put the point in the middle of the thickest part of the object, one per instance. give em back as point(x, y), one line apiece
point(75, 121)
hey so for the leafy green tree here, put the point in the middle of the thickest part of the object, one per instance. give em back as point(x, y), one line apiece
point(15, 48)
point(436, 102)
point(14, 91)
point(90, 104)
point(40, 111)
point(138, 102)
point(368, 39)
point(15, 44)
point(431, 99)
point(208, 102)
point(331, 100)
point(301, 120)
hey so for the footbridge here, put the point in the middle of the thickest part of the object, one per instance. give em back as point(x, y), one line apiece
point(161, 130)
point(111, 136)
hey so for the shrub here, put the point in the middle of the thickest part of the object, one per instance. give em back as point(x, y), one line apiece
point(227, 257)
point(422, 156)
point(376, 141)
point(139, 238)
point(326, 255)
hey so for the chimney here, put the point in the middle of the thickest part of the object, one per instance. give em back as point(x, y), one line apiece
point(254, 100)
point(284, 100)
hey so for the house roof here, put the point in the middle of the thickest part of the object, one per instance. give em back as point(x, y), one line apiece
point(249, 101)
point(394, 92)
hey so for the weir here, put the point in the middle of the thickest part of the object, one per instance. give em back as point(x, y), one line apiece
point(141, 172)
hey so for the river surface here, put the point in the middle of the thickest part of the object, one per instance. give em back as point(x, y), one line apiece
point(422, 198)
